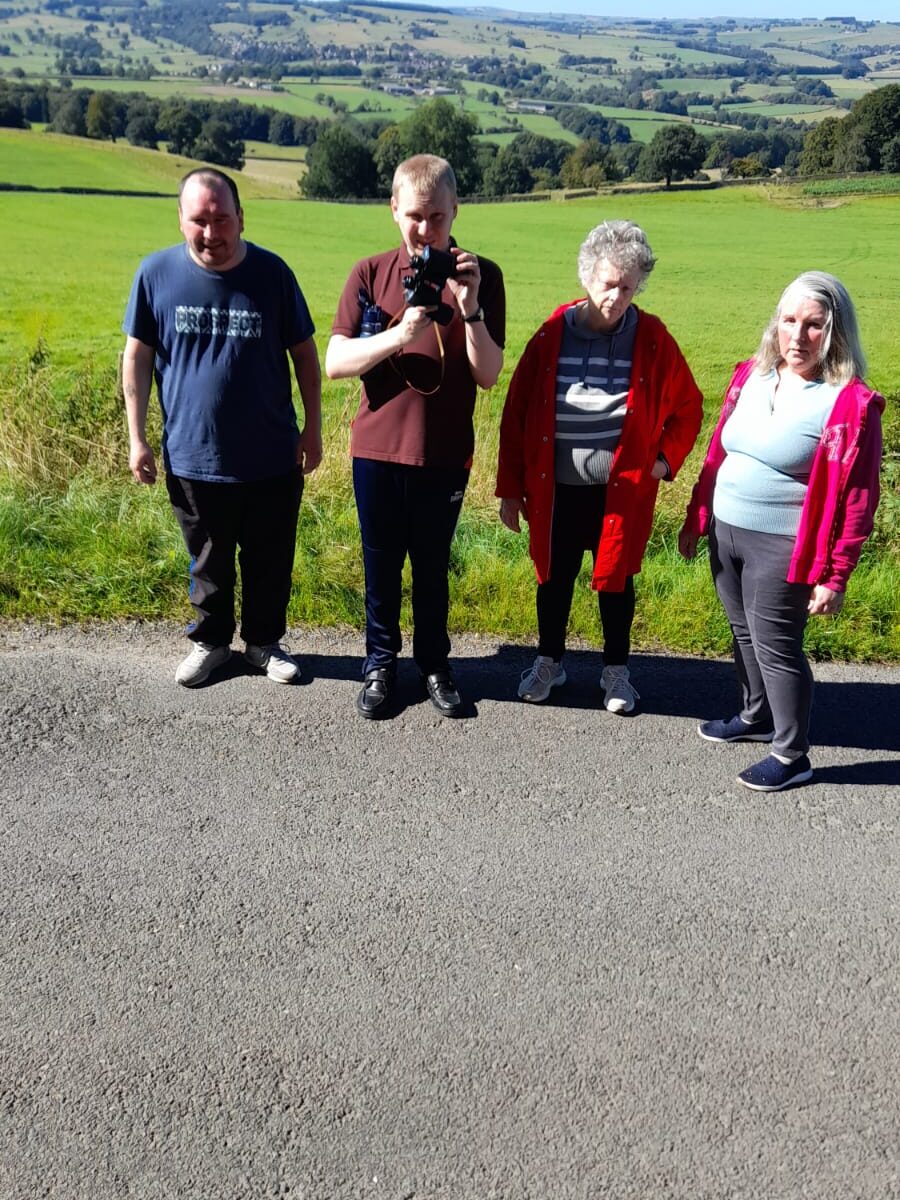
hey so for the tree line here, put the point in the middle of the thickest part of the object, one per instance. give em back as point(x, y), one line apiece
point(210, 130)
point(352, 159)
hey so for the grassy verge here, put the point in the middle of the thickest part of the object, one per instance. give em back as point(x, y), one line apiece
point(79, 542)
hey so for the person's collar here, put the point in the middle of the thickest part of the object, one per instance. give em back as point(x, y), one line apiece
point(241, 257)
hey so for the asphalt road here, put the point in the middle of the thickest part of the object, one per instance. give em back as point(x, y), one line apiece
point(255, 947)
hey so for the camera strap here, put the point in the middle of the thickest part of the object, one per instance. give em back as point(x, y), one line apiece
point(441, 354)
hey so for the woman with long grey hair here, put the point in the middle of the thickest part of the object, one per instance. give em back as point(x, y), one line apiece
point(787, 495)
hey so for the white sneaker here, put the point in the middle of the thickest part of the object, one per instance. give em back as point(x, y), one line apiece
point(274, 660)
point(620, 696)
point(200, 663)
point(538, 681)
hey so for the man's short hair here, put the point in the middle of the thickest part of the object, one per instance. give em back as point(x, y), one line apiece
point(212, 178)
point(424, 173)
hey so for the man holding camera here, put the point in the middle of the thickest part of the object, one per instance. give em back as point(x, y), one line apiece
point(422, 325)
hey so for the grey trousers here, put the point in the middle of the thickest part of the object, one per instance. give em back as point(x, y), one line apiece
point(768, 616)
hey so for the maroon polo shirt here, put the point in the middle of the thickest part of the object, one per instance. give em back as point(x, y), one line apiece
point(409, 411)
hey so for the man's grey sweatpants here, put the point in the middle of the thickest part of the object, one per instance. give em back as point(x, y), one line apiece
point(768, 616)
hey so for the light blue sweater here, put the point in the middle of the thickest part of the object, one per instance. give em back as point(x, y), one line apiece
point(770, 440)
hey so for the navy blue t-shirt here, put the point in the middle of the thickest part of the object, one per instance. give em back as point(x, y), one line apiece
point(222, 369)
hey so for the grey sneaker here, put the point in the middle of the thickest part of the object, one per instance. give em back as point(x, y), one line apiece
point(275, 661)
point(540, 679)
point(620, 696)
point(200, 663)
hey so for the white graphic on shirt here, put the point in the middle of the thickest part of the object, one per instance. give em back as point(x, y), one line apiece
point(232, 322)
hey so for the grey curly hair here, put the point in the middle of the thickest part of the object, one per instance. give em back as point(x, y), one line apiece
point(621, 243)
point(841, 354)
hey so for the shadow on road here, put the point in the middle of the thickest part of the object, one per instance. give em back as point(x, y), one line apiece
point(853, 714)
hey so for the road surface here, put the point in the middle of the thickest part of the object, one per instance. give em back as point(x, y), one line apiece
point(255, 947)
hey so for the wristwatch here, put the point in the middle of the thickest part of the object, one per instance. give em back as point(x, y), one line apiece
point(477, 315)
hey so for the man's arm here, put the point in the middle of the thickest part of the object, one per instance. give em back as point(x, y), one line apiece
point(309, 380)
point(347, 357)
point(137, 379)
point(484, 355)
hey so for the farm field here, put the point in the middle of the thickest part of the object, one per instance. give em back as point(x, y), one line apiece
point(706, 287)
point(51, 160)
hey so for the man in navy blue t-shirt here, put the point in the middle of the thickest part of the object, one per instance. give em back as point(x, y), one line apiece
point(217, 321)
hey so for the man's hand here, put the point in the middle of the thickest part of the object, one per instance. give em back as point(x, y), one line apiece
point(687, 544)
point(142, 463)
point(824, 602)
point(137, 376)
point(659, 470)
point(510, 510)
point(309, 450)
point(413, 322)
point(465, 284)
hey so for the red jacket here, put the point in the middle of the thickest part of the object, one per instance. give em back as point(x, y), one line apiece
point(839, 508)
point(663, 413)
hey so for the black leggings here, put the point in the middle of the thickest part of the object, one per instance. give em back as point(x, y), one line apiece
point(577, 520)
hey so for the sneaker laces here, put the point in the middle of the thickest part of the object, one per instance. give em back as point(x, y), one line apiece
point(539, 672)
point(616, 682)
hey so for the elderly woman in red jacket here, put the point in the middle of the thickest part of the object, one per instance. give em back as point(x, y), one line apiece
point(601, 407)
point(787, 494)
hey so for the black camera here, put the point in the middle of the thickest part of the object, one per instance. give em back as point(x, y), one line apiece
point(429, 271)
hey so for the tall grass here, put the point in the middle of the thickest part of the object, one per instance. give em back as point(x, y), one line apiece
point(78, 541)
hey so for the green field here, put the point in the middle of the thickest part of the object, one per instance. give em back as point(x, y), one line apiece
point(51, 160)
point(77, 540)
point(703, 287)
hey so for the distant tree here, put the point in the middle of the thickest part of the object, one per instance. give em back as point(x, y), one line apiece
point(306, 130)
point(627, 155)
point(890, 155)
point(438, 127)
point(675, 152)
point(819, 147)
point(507, 175)
point(140, 127)
point(870, 125)
point(340, 166)
point(590, 165)
point(11, 114)
point(747, 167)
point(541, 153)
point(851, 152)
point(718, 153)
point(105, 117)
point(179, 124)
point(281, 130)
point(389, 151)
point(218, 143)
point(69, 117)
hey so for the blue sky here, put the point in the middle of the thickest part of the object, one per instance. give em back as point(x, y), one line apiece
point(866, 10)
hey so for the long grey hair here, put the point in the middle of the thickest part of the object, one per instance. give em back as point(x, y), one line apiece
point(841, 355)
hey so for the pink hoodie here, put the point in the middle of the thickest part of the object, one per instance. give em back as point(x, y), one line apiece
point(842, 495)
